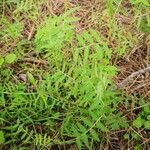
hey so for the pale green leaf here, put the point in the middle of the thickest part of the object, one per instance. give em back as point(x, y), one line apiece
point(81, 127)
point(86, 121)
point(79, 143)
point(88, 37)
point(85, 140)
point(10, 58)
point(102, 127)
point(31, 78)
point(81, 41)
point(2, 138)
point(86, 55)
point(94, 135)
point(147, 124)
point(1, 61)
point(95, 34)
point(138, 122)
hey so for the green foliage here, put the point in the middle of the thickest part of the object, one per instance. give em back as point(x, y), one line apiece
point(92, 74)
point(1, 61)
point(10, 58)
point(54, 33)
point(41, 140)
point(10, 30)
point(144, 2)
point(145, 24)
point(138, 122)
point(71, 100)
point(2, 139)
point(74, 87)
point(143, 118)
point(143, 21)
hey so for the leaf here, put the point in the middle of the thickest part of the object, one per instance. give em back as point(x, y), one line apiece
point(86, 55)
point(146, 110)
point(81, 41)
point(144, 25)
point(147, 125)
point(2, 138)
point(102, 127)
point(88, 37)
point(76, 55)
point(28, 137)
point(95, 104)
point(135, 136)
point(79, 143)
point(95, 34)
point(81, 127)
point(94, 135)
point(126, 136)
point(138, 147)
point(1, 61)
point(75, 131)
point(138, 122)
point(85, 140)
point(31, 78)
point(10, 58)
point(145, 2)
point(87, 121)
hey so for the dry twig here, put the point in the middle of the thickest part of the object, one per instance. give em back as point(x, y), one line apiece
point(32, 60)
point(130, 77)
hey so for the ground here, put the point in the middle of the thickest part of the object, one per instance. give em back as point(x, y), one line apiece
point(75, 74)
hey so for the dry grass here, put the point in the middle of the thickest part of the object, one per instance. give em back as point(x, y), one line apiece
point(137, 58)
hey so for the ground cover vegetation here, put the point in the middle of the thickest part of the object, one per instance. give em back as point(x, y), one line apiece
point(74, 74)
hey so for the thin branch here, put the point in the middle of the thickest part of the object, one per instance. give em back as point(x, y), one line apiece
point(35, 61)
point(134, 74)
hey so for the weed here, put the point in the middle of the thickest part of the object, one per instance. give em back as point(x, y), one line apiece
point(71, 99)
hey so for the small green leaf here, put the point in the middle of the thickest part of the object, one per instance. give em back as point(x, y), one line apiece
point(87, 121)
point(85, 140)
point(88, 37)
point(148, 117)
point(1, 61)
point(138, 147)
point(126, 136)
point(94, 135)
point(95, 34)
point(75, 131)
point(79, 143)
point(31, 78)
point(137, 2)
point(138, 122)
point(147, 110)
point(81, 41)
point(102, 127)
point(135, 136)
point(144, 25)
point(147, 125)
point(81, 127)
point(10, 58)
point(2, 138)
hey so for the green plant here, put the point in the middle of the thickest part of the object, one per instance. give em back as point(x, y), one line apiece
point(10, 30)
point(54, 34)
point(143, 118)
point(2, 139)
point(56, 88)
point(76, 86)
point(141, 8)
point(9, 59)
